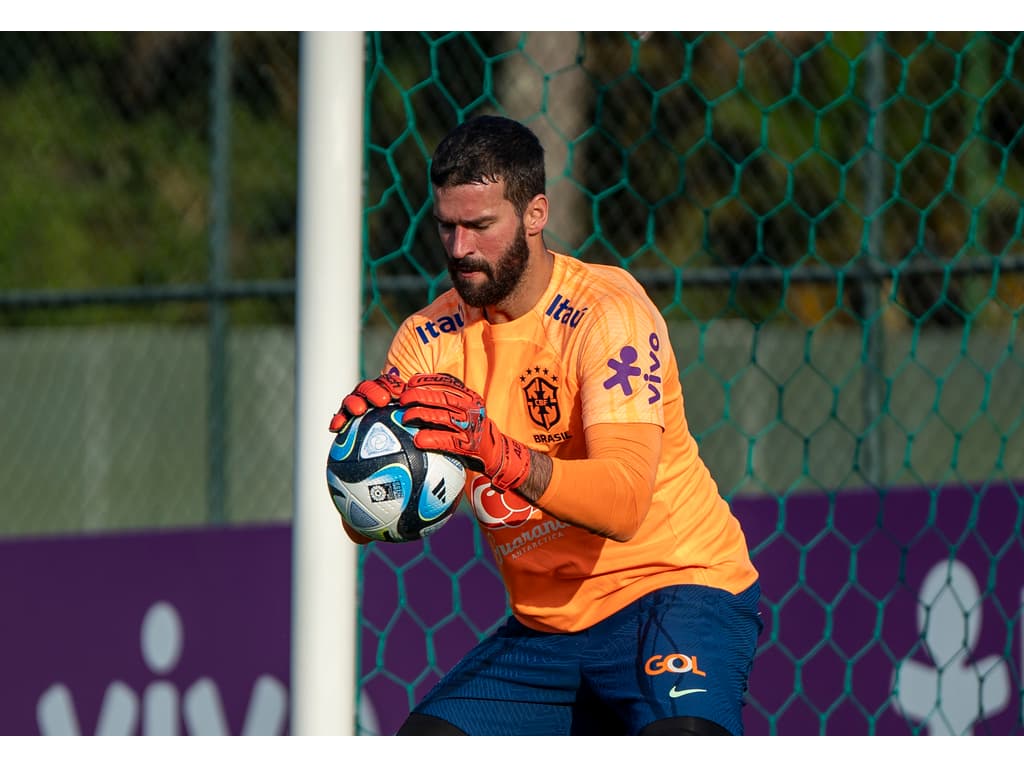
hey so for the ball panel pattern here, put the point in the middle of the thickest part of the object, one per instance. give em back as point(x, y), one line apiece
point(384, 486)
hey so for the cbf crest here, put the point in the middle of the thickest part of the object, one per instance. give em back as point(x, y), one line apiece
point(541, 393)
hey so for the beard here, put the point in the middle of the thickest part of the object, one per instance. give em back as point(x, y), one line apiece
point(503, 276)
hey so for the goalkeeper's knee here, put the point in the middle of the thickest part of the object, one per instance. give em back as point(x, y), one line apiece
point(428, 725)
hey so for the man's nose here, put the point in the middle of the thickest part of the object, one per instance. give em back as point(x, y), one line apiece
point(462, 242)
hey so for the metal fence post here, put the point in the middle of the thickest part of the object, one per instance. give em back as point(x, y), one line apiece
point(220, 237)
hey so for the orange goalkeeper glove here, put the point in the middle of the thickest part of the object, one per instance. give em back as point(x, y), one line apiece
point(372, 393)
point(452, 419)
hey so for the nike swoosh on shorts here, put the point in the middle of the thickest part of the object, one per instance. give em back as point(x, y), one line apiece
point(686, 691)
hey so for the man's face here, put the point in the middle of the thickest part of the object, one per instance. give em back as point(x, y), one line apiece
point(484, 240)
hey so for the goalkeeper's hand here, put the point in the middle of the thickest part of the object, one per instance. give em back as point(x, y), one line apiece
point(372, 393)
point(452, 419)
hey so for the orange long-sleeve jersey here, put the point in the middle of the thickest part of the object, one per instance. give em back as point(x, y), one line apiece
point(594, 350)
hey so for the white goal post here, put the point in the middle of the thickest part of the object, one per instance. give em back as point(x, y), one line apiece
point(328, 328)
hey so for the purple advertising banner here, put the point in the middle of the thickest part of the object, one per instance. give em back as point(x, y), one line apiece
point(886, 613)
point(162, 633)
point(889, 612)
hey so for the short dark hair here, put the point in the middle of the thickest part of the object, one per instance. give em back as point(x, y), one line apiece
point(490, 148)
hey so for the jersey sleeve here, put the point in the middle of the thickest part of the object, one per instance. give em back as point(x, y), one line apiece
point(609, 493)
point(625, 351)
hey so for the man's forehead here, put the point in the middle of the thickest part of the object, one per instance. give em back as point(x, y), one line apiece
point(477, 199)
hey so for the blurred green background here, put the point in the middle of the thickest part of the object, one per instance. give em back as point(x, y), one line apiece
point(831, 223)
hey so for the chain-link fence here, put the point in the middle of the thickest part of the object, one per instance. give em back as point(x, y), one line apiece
point(830, 222)
point(146, 279)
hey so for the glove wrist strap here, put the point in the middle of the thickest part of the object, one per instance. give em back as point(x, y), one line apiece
point(513, 467)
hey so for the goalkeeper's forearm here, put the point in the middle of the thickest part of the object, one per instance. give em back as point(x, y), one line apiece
point(607, 493)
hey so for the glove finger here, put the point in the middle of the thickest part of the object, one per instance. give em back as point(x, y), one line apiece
point(370, 393)
point(447, 442)
point(430, 416)
point(351, 406)
point(435, 396)
point(355, 404)
point(374, 392)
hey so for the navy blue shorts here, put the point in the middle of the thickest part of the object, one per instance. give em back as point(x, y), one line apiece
point(682, 650)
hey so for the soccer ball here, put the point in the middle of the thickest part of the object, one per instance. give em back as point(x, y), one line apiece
point(385, 487)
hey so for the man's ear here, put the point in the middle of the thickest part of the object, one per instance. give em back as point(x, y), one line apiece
point(535, 217)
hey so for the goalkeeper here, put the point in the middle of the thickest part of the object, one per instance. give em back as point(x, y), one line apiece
point(634, 602)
